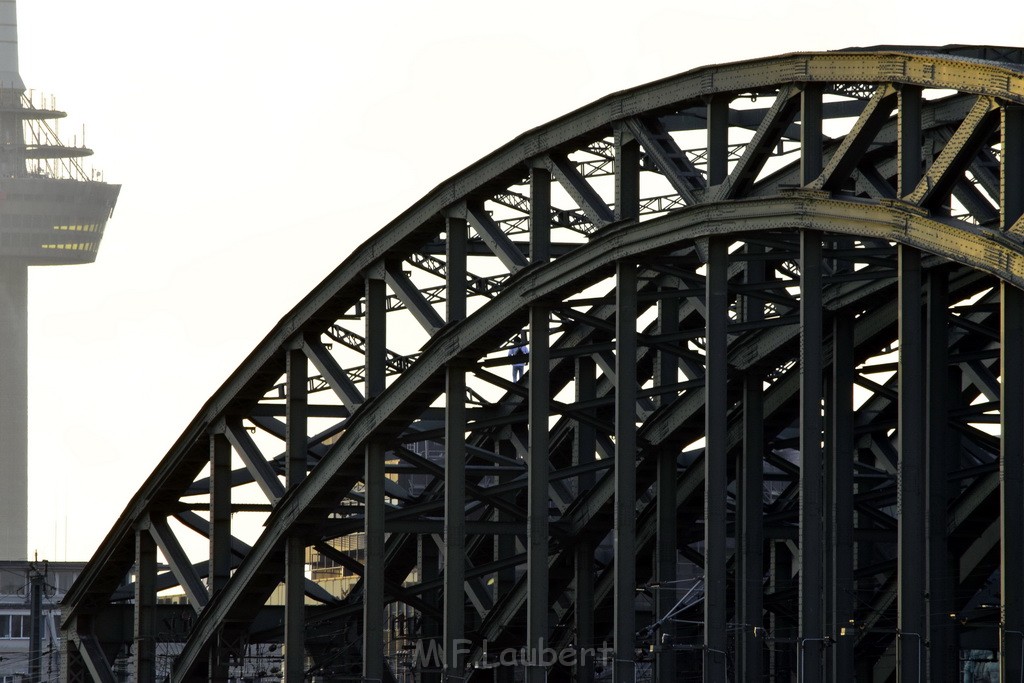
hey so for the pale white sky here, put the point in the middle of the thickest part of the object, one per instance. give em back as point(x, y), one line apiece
point(258, 143)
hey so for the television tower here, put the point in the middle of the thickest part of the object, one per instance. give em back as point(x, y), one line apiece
point(51, 213)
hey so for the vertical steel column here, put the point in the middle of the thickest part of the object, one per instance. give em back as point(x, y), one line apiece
point(750, 510)
point(1011, 476)
point(454, 521)
point(780, 652)
point(538, 459)
point(584, 448)
point(540, 214)
point(1011, 166)
point(716, 475)
point(943, 653)
point(812, 626)
point(627, 176)
point(537, 494)
point(1011, 202)
point(811, 139)
point(627, 207)
point(220, 512)
point(373, 576)
point(373, 522)
point(841, 486)
point(665, 565)
point(455, 464)
point(376, 338)
point(718, 140)
point(430, 630)
point(624, 617)
point(811, 632)
point(508, 545)
point(457, 233)
point(909, 133)
point(296, 413)
point(828, 568)
point(666, 362)
point(666, 545)
point(145, 607)
point(910, 491)
point(220, 538)
point(295, 546)
point(585, 437)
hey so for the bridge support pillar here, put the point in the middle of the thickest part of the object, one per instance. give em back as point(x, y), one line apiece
point(295, 546)
point(910, 643)
point(430, 630)
point(145, 607)
point(538, 460)
point(750, 501)
point(715, 464)
point(942, 383)
point(373, 472)
point(666, 597)
point(454, 521)
point(584, 448)
point(1011, 476)
point(220, 539)
point(811, 632)
point(840, 488)
point(624, 628)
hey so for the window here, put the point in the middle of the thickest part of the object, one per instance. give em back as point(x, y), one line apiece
point(12, 583)
point(61, 579)
point(14, 626)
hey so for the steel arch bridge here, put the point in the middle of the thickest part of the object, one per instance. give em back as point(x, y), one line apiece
point(772, 423)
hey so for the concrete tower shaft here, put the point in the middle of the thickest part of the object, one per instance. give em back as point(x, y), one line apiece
point(10, 75)
point(51, 213)
point(13, 409)
point(13, 315)
point(12, 134)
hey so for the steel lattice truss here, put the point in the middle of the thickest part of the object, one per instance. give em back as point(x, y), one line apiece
point(773, 418)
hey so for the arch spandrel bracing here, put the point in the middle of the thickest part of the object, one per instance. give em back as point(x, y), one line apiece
point(595, 368)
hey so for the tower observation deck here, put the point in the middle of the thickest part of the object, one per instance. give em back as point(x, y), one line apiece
point(51, 213)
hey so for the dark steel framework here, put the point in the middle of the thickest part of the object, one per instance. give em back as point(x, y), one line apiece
point(772, 424)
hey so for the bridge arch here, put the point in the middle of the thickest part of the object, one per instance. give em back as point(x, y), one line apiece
point(778, 308)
